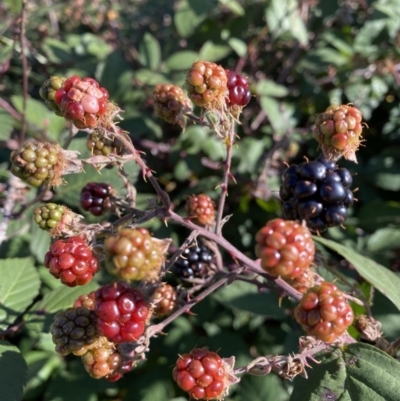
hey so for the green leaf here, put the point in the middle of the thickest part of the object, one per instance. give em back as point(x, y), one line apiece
point(268, 388)
point(238, 46)
point(234, 6)
point(213, 52)
point(181, 60)
point(358, 373)
point(57, 51)
point(19, 285)
point(40, 242)
point(186, 19)
point(266, 87)
point(150, 51)
point(6, 124)
point(13, 372)
point(383, 239)
point(39, 116)
point(244, 296)
point(380, 277)
point(284, 17)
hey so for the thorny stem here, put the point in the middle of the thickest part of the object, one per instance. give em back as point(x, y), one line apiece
point(229, 140)
point(25, 71)
point(157, 328)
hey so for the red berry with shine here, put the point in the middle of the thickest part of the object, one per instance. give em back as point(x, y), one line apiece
point(201, 373)
point(238, 86)
point(324, 312)
point(72, 261)
point(122, 312)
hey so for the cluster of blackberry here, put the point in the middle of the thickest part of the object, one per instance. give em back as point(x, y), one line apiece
point(317, 192)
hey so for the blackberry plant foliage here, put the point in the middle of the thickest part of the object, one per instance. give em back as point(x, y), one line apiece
point(199, 200)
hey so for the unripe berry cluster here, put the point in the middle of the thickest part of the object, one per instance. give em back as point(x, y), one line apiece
point(201, 373)
point(324, 312)
point(338, 131)
point(121, 311)
point(200, 209)
point(286, 248)
point(72, 261)
point(133, 254)
point(206, 84)
point(38, 163)
point(238, 86)
point(48, 90)
point(83, 101)
point(170, 103)
point(165, 299)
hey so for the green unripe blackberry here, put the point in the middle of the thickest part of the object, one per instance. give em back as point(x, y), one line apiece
point(38, 163)
point(48, 90)
point(49, 215)
point(74, 331)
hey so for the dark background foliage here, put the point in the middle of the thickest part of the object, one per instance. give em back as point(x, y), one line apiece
point(300, 57)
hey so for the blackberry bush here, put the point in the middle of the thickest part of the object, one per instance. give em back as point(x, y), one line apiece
point(317, 192)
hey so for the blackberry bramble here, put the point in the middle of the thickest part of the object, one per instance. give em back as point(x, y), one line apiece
point(317, 192)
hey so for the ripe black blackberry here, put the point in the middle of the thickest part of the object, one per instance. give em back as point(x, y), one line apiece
point(193, 263)
point(317, 192)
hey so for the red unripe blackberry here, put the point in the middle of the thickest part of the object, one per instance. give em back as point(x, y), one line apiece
point(96, 198)
point(338, 131)
point(82, 101)
point(193, 263)
point(72, 261)
point(317, 192)
point(38, 163)
point(206, 84)
point(74, 330)
point(121, 311)
point(238, 86)
point(170, 103)
point(285, 247)
point(202, 374)
point(324, 312)
point(48, 93)
point(103, 361)
point(200, 209)
point(165, 299)
point(85, 300)
point(133, 254)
